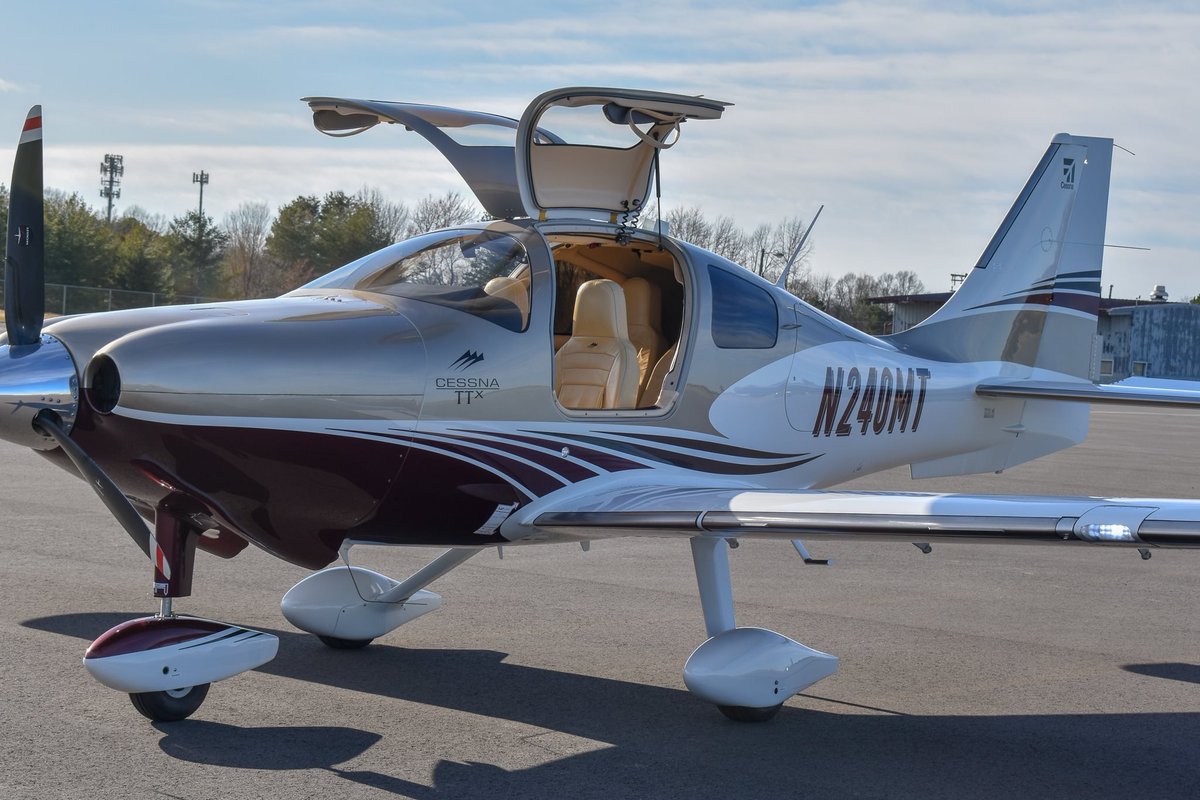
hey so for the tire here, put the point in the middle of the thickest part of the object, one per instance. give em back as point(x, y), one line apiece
point(344, 644)
point(748, 714)
point(172, 705)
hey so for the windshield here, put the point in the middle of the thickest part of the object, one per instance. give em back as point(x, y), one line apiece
point(483, 273)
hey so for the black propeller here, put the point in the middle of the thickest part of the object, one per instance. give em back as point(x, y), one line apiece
point(24, 309)
point(114, 498)
point(24, 286)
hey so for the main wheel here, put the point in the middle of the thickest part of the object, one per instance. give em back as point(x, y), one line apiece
point(344, 644)
point(749, 714)
point(171, 705)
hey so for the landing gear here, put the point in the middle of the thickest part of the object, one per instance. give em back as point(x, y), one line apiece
point(344, 644)
point(166, 662)
point(170, 705)
point(348, 607)
point(747, 673)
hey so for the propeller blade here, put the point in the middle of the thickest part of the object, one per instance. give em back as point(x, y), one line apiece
point(24, 282)
point(118, 504)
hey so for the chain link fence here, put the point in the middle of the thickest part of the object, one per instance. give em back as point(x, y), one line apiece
point(69, 299)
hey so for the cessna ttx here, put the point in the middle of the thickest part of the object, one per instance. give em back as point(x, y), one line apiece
point(558, 374)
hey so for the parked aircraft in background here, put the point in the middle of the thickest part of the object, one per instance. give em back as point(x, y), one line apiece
point(558, 374)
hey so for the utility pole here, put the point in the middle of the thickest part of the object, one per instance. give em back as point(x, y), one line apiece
point(201, 178)
point(762, 256)
point(111, 170)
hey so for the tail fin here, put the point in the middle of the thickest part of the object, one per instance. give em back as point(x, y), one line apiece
point(1033, 297)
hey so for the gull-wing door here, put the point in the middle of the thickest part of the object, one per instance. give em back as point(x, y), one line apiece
point(602, 166)
point(479, 145)
point(630, 509)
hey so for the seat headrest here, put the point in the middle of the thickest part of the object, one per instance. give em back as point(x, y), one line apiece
point(600, 310)
point(642, 303)
point(513, 290)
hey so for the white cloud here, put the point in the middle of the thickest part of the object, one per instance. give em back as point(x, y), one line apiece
point(915, 123)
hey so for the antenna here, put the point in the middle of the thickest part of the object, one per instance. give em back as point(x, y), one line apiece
point(111, 170)
point(783, 276)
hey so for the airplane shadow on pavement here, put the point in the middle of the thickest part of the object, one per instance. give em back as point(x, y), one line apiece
point(662, 742)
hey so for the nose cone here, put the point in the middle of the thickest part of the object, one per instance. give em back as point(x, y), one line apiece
point(34, 378)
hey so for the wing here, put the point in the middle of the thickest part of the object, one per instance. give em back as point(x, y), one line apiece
point(632, 510)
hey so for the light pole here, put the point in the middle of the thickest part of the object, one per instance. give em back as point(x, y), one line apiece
point(762, 255)
point(201, 178)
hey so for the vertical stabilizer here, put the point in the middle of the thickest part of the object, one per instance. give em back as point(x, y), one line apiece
point(1033, 296)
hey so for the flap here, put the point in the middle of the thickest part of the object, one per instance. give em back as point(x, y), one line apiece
point(630, 509)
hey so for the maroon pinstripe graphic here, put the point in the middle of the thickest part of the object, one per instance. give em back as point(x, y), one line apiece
point(608, 462)
point(568, 470)
point(150, 633)
point(534, 479)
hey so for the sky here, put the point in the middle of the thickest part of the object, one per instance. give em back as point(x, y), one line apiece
point(915, 124)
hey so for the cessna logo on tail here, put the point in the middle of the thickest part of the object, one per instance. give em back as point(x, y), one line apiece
point(1068, 174)
point(467, 359)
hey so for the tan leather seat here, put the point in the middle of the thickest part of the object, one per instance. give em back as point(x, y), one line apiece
point(597, 367)
point(513, 290)
point(643, 306)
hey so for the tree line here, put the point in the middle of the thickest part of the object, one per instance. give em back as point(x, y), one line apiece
point(251, 253)
point(767, 248)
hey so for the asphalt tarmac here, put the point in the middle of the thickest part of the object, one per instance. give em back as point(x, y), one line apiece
point(974, 671)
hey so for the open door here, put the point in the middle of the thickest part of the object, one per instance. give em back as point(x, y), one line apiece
point(582, 178)
point(524, 170)
point(488, 165)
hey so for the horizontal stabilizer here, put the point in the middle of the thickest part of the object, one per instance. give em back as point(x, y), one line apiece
point(1124, 393)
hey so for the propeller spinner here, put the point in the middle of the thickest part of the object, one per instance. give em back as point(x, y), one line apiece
point(24, 287)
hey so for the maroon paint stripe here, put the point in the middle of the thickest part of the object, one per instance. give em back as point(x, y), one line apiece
point(33, 123)
point(150, 633)
point(533, 479)
point(605, 461)
point(597, 458)
point(570, 471)
point(1087, 303)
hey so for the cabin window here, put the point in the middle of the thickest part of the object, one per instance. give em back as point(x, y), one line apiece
point(482, 273)
point(744, 316)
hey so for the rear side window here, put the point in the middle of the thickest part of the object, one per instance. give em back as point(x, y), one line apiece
point(743, 315)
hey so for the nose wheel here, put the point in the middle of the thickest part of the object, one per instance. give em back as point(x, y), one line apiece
point(170, 705)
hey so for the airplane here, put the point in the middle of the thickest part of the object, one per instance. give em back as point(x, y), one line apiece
point(559, 373)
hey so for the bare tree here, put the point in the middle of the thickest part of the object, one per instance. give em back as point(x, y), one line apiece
point(246, 263)
point(431, 213)
point(690, 225)
point(726, 239)
point(158, 223)
point(391, 217)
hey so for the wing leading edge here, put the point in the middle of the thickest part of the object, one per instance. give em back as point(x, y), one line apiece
point(872, 516)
